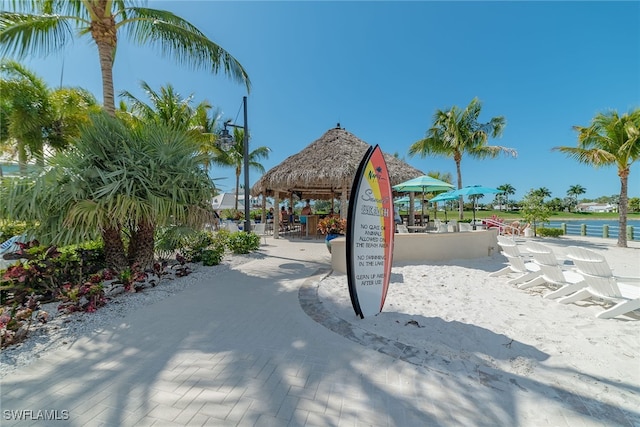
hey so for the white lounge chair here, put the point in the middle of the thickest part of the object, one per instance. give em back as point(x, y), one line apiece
point(552, 273)
point(517, 264)
point(261, 230)
point(624, 292)
point(464, 226)
point(402, 228)
point(440, 226)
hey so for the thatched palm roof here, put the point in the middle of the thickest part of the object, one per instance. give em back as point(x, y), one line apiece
point(326, 167)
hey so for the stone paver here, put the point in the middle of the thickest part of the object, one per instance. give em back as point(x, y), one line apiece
point(254, 347)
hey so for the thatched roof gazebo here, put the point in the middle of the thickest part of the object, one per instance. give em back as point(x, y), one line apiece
point(325, 170)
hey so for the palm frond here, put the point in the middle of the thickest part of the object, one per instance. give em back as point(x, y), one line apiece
point(26, 34)
point(177, 37)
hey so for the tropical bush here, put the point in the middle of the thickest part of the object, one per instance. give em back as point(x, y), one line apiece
point(47, 269)
point(115, 180)
point(332, 225)
point(549, 232)
point(213, 256)
point(9, 229)
point(243, 243)
point(16, 320)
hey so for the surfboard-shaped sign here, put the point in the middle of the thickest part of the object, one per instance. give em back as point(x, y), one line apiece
point(370, 235)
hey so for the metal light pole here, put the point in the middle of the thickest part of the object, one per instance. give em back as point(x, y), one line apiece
point(225, 139)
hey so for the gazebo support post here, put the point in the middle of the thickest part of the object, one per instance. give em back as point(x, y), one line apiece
point(276, 214)
point(343, 201)
point(412, 200)
point(263, 217)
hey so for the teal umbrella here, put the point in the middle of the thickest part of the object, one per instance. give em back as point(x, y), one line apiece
point(424, 183)
point(473, 190)
point(442, 197)
point(405, 201)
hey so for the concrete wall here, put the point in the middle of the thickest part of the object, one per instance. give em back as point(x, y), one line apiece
point(417, 248)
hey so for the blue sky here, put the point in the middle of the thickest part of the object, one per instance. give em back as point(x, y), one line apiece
point(382, 69)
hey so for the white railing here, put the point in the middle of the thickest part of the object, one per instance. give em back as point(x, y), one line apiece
point(503, 228)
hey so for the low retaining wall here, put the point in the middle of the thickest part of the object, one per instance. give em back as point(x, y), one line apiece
point(416, 248)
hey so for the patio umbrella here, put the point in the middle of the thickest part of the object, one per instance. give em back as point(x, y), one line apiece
point(442, 197)
point(405, 201)
point(473, 190)
point(424, 183)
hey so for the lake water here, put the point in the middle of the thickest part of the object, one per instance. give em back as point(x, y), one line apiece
point(594, 228)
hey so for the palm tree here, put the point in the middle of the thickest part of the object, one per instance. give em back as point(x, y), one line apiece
point(574, 191)
point(26, 97)
point(234, 157)
point(89, 191)
point(610, 139)
point(167, 107)
point(455, 132)
point(542, 192)
point(507, 190)
point(44, 27)
point(36, 116)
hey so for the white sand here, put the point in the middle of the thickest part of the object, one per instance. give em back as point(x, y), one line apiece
point(469, 321)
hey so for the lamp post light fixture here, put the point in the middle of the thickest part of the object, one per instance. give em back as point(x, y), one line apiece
point(226, 142)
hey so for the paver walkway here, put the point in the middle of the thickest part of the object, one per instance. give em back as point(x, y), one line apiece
point(240, 350)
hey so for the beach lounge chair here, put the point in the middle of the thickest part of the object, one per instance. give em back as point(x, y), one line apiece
point(624, 292)
point(504, 240)
point(261, 230)
point(464, 226)
point(517, 264)
point(440, 227)
point(552, 273)
point(402, 228)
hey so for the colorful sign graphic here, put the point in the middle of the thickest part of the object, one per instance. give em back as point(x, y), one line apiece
point(370, 232)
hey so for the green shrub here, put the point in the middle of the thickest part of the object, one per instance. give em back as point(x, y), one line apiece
point(9, 229)
point(221, 238)
point(549, 232)
point(196, 243)
point(243, 243)
point(212, 256)
point(47, 268)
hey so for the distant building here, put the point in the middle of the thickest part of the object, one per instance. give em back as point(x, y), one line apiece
point(595, 207)
point(228, 201)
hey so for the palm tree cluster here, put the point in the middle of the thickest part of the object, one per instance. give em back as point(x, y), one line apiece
point(123, 176)
point(116, 180)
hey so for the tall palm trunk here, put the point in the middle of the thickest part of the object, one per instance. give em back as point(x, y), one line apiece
point(622, 208)
point(141, 245)
point(458, 158)
point(103, 32)
point(114, 249)
point(22, 157)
